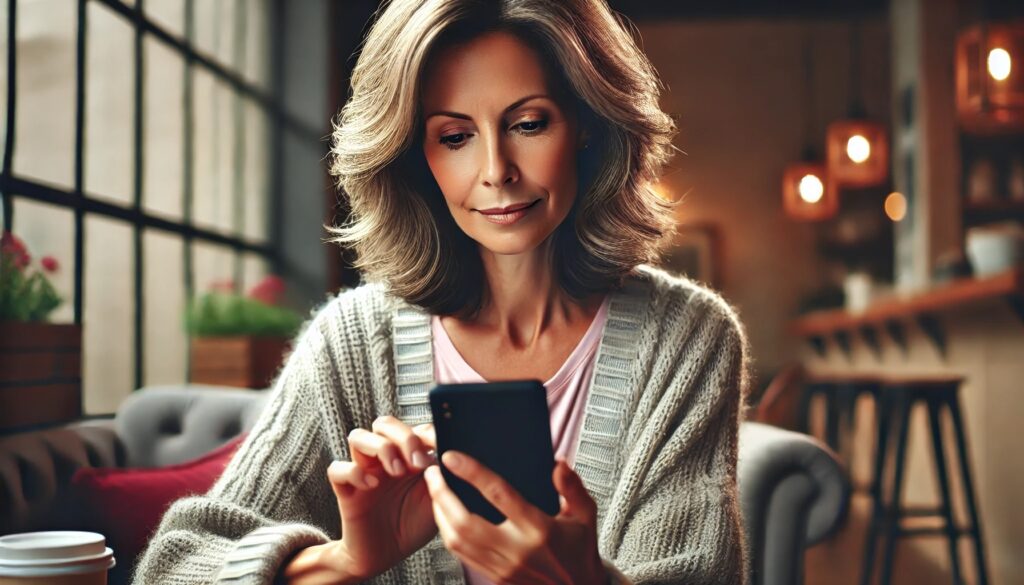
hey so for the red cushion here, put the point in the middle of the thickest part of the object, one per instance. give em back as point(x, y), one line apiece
point(126, 505)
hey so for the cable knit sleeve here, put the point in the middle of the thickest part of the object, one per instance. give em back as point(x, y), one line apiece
point(273, 498)
point(683, 524)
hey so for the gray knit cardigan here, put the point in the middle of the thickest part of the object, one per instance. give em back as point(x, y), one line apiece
point(657, 450)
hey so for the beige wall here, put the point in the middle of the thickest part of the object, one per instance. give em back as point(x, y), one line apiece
point(737, 88)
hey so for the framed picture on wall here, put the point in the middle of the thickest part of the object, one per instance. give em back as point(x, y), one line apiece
point(694, 252)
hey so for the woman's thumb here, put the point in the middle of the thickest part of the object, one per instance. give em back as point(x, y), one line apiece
point(577, 501)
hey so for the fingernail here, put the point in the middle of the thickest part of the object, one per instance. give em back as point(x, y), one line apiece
point(371, 480)
point(397, 468)
point(452, 460)
point(420, 459)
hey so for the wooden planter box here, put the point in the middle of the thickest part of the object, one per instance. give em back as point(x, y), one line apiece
point(243, 362)
point(40, 373)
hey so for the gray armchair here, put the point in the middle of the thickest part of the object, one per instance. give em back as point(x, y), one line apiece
point(793, 490)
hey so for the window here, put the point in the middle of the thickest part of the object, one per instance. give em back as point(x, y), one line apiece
point(140, 140)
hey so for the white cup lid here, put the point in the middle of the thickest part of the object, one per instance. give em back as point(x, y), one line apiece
point(53, 553)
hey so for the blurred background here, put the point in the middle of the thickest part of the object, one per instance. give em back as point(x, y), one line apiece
point(852, 181)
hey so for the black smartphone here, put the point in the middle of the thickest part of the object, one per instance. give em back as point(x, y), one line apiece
point(506, 427)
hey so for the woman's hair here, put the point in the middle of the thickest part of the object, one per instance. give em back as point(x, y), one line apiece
point(400, 227)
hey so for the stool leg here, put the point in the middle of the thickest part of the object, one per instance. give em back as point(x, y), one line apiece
point(892, 521)
point(883, 421)
point(943, 477)
point(803, 423)
point(833, 403)
point(972, 508)
point(847, 405)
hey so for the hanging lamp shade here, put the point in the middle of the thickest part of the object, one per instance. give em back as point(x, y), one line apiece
point(990, 77)
point(807, 194)
point(857, 152)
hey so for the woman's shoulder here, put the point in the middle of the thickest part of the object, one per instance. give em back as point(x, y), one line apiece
point(678, 296)
point(359, 312)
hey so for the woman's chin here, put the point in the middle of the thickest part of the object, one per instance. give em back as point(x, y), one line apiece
point(512, 244)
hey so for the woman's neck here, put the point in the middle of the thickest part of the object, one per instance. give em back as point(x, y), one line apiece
point(524, 300)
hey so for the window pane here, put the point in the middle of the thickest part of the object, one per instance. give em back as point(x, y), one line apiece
point(257, 172)
point(108, 346)
point(214, 267)
point(48, 230)
point(164, 130)
point(215, 29)
point(214, 141)
point(168, 15)
point(45, 126)
point(164, 333)
point(257, 43)
point(110, 105)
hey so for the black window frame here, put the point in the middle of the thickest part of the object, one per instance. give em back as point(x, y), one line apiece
point(14, 187)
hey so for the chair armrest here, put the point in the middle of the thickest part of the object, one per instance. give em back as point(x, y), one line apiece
point(36, 469)
point(794, 493)
point(165, 425)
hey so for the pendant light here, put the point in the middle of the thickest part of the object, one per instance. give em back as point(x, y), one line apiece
point(857, 149)
point(990, 77)
point(807, 194)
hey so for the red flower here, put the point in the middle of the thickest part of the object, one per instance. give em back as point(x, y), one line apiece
point(269, 290)
point(49, 264)
point(11, 246)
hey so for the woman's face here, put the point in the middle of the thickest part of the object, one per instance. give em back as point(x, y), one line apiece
point(500, 147)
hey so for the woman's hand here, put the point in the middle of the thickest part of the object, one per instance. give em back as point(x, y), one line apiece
point(529, 546)
point(382, 498)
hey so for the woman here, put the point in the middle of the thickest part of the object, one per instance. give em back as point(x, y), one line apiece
point(497, 157)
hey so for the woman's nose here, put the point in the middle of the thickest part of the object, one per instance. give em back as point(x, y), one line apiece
point(497, 169)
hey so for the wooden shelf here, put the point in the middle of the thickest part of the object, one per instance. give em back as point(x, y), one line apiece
point(995, 205)
point(889, 313)
point(989, 211)
point(945, 297)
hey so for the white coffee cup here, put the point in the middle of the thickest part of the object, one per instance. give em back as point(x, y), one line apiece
point(54, 558)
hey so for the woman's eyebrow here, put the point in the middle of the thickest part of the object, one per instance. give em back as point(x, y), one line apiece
point(511, 107)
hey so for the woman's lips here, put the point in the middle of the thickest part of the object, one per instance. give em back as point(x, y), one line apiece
point(507, 215)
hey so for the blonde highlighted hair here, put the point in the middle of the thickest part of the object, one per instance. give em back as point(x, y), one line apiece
point(400, 227)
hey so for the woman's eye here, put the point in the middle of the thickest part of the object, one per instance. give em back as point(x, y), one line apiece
point(530, 126)
point(453, 141)
point(527, 127)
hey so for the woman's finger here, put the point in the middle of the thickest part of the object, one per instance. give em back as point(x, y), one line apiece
point(494, 489)
point(370, 448)
point(347, 474)
point(577, 501)
point(414, 452)
point(426, 434)
point(469, 548)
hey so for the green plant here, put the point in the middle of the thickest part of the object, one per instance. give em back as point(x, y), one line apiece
point(221, 313)
point(26, 294)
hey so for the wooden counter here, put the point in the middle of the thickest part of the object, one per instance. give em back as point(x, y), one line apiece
point(922, 306)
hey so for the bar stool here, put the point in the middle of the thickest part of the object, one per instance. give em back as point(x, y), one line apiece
point(840, 394)
point(896, 400)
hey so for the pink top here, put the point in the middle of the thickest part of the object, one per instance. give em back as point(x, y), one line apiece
point(567, 389)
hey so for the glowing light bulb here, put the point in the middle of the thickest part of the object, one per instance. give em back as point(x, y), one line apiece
point(999, 64)
point(811, 189)
point(858, 148)
point(896, 206)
